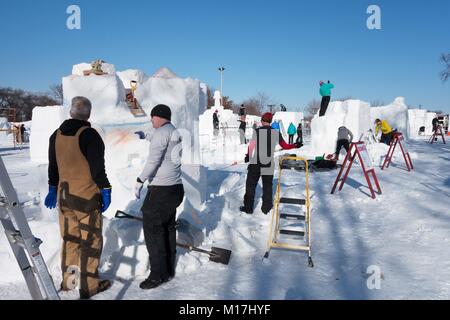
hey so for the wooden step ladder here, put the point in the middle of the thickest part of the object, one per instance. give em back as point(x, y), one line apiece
point(276, 232)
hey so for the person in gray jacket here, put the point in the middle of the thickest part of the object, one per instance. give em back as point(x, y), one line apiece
point(165, 193)
point(345, 137)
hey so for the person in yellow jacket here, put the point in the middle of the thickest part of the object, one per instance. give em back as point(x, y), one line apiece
point(386, 131)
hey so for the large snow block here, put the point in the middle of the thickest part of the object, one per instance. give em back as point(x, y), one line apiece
point(45, 120)
point(183, 96)
point(286, 118)
point(195, 183)
point(106, 93)
point(396, 114)
point(416, 118)
point(353, 114)
point(129, 75)
point(227, 119)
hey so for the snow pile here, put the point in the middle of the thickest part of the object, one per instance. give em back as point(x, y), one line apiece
point(79, 68)
point(129, 75)
point(416, 120)
point(353, 114)
point(396, 114)
point(45, 120)
point(286, 118)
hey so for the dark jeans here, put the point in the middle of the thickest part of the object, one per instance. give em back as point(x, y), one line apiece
point(324, 105)
point(386, 138)
point(291, 139)
point(242, 136)
point(253, 175)
point(159, 211)
point(342, 143)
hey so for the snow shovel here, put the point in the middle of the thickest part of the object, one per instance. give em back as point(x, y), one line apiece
point(218, 255)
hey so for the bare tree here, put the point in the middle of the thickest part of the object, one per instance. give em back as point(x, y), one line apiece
point(251, 107)
point(56, 91)
point(445, 74)
point(264, 100)
point(311, 109)
point(23, 101)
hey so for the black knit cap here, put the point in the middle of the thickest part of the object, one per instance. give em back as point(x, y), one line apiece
point(162, 111)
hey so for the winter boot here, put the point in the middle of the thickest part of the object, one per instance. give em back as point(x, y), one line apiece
point(246, 210)
point(103, 285)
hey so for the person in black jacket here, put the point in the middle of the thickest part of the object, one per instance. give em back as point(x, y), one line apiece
point(260, 154)
point(435, 123)
point(216, 122)
point(242, 127)
point(78, 183)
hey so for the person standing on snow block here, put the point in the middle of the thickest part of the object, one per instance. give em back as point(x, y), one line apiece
point(386, 131)
point(165, 193)
point(77, 175)
point(345, 137)
point(260, 155)
point(291, 132)
point(242, 110)
point(242, 127)
point(325, 92)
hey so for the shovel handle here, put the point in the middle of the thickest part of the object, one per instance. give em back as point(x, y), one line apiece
point(186, 246)
point(123, 215)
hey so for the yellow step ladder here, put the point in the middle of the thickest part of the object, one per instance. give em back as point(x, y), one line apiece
point(275, 231)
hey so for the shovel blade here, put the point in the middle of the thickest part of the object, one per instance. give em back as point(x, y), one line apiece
point(220, 255)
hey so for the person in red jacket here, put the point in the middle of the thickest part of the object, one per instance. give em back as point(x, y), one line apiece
point(260, 155)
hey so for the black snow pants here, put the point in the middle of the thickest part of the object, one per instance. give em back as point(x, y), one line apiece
point(342, 143)
point(324, 105)
point(159, 212)
point(253, 175)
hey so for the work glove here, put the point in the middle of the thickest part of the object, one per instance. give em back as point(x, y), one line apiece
point(138, 187)
point(247, 158)
point(106, 198)
point(141, 134)
point(298, 145)
point(50, 199)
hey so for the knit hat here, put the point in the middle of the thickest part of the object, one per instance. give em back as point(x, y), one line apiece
point(162, 111)
point(267, 117)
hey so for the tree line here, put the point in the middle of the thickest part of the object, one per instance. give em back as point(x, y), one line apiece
point(24, 101)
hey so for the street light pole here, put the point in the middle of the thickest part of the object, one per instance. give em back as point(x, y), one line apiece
point(221, 69)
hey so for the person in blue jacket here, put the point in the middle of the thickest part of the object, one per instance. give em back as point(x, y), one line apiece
point(325, 92)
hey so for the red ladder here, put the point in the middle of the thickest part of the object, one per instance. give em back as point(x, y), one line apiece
point(357, 148)
point(398, 139)
point(436, 134)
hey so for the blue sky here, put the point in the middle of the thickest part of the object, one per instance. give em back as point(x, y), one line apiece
point(282, 48)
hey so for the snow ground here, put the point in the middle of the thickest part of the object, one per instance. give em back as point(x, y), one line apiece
point(404, 232)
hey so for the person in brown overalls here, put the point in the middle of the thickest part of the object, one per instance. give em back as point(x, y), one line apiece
point(77, 175)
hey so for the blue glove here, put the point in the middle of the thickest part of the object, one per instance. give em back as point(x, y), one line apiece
point(106, 198)
point(50, 199)
point(141, 134)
